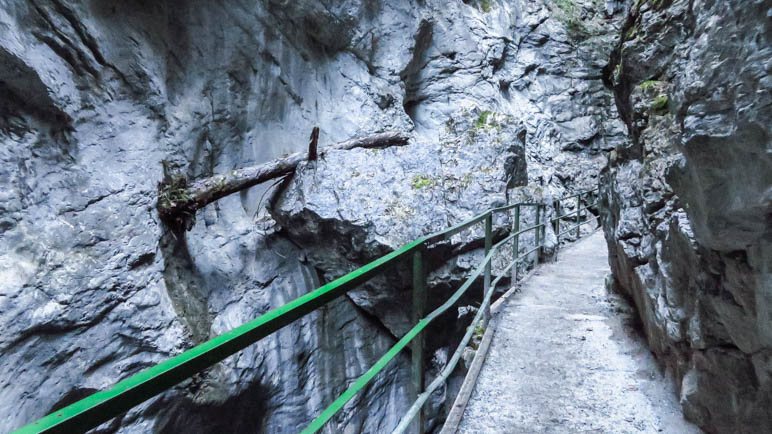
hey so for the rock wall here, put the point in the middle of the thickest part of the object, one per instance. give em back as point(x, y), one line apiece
point(688, 200)
point(96, 94)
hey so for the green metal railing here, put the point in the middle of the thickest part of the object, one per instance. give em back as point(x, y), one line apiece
point(580, 212)
point(102, 406)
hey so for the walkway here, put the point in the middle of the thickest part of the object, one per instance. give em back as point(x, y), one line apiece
point(564, 359)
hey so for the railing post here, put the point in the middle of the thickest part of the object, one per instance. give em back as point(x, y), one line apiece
point(515, 243)
point(578, 215)
point(543, 228)
point(487, 278)
point(537, 232)
point(417, 345)
point(556, 223)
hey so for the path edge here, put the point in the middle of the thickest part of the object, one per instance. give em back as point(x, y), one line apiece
point(456, 413)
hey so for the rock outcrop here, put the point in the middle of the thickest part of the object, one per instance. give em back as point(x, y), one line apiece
point(96, 95)
point(521, 123)
point(689, 200)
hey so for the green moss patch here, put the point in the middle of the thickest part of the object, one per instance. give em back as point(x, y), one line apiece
point(482, 120)
point(659, 104)
point(420, 182)
point(648, 85)
point(569, 14)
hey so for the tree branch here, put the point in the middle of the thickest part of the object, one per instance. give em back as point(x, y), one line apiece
point(179, 200)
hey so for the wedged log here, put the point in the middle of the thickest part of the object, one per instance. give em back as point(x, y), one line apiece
point(178, 200)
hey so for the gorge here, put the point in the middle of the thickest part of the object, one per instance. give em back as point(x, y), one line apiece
point(662, 104)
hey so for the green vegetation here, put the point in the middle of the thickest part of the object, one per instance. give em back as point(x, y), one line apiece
point(477, 336)
point(174, 199)
point(577, 28)
point(648, 85)
point(420, 181)
point(569, 15)
point(659, 105)
point(485, 6)
point(173, 191)
point(482, 120)
point(617, 75)
point(566, 6)
point(630, 33)
point(486, 120)
point(466, 180)
point(655, 89)
point(479, 331)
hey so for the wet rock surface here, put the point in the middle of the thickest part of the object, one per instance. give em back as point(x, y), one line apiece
point(688, 200)
point(95, 95)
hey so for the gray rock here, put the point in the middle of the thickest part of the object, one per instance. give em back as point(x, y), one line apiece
point(96, 94)
point(687, 201)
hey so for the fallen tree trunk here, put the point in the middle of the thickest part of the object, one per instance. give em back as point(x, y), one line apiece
point(179, 200)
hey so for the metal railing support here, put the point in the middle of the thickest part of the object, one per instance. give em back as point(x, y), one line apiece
point(537, 232)
point(487, 277)
point(417, 345)
point(556, 221)
point(578, 215)
point(515, 243)
point(102, 406)
point(543, 229)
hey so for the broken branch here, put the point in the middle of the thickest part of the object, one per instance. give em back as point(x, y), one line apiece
point(178, 201)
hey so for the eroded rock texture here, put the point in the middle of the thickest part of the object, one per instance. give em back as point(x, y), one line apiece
point(689, 200)
point(95, 94)
point(521, 115)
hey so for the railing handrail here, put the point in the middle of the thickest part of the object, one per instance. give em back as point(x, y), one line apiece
point(102, 406)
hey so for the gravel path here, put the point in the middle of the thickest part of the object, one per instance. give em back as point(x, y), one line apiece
point(565, 359)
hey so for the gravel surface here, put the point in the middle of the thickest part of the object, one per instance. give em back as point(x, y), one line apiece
point(566, 358)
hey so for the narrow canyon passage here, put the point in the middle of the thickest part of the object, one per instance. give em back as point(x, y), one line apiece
point(180, 178)
point(565, 358)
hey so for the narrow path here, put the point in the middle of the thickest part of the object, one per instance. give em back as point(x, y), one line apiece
point(566, 359)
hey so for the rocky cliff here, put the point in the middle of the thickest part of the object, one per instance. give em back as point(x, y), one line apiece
point(689, 200)
point(505, 101)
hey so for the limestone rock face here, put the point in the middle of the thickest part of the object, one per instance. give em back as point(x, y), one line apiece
point(688, 200)
point(94, 95)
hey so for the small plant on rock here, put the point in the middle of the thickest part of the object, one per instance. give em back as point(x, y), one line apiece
point(570, 16)
point(660, 103)
point(482, 119)
point(174, 199)
point(648, 85)
point(477, 335)
point(420, 182)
